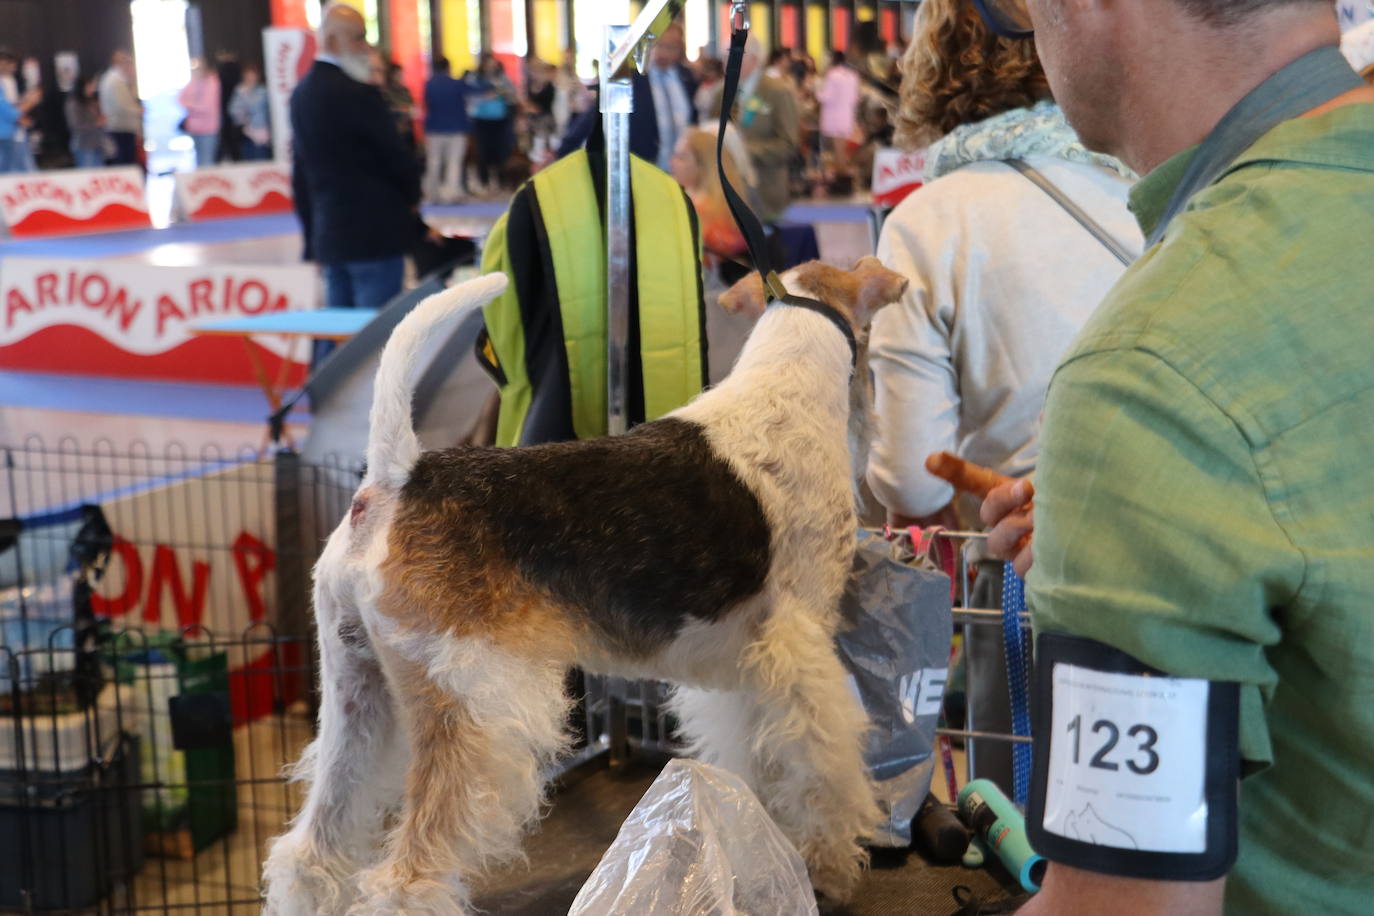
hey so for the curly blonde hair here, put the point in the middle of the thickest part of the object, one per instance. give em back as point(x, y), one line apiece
point(956, 71)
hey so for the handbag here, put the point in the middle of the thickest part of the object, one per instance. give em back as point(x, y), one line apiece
point(894, 642)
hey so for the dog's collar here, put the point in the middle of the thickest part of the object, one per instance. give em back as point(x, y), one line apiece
point(829, 313)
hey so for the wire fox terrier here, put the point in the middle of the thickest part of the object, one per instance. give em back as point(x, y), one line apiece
point(708, 548)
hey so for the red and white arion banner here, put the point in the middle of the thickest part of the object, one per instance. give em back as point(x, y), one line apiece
point(234, 190)
point(287, 54)
point(65, 201)
point(186, 578)
point(895, 175)
point(131, 320)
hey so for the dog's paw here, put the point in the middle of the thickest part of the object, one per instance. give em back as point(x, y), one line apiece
point(836, 869)
point(298, 882)
point(386, 891)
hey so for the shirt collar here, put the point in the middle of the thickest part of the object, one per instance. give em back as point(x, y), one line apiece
point(1150, 195)
point(1340, 138)
point(326, 58)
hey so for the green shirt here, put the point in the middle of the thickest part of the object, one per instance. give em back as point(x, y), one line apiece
point(1205, 491)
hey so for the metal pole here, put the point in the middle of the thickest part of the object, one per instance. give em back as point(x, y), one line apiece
point(617, 104)
point(623, 43)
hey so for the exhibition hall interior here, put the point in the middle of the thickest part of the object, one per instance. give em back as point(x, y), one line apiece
point(686, 457)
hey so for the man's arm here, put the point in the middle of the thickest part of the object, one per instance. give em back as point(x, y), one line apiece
point(1137, 464)
point(1068, 891)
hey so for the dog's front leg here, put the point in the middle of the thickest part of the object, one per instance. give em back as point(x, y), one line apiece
point(484, 724)
point(807, 743)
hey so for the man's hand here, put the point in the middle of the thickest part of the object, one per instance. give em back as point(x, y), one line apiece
point(1007, 508)
point(1010, 516)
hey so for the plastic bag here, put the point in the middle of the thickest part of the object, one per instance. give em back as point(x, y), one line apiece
point(895, 644)
point(698, 844)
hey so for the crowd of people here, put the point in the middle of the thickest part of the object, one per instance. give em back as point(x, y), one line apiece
point(806, 133)
point(98, 119)
point(226, 108)
point(480, 133)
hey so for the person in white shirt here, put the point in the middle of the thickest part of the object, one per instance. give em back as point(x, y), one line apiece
point(121, 109)
point(1001, 279)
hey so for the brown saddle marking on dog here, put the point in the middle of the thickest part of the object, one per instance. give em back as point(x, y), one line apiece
point(633, 536)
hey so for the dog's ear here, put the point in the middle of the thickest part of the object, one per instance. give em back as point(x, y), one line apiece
point(745, 297)
point(878, 286)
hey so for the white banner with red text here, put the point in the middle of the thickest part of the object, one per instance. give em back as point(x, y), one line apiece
point(895, 175)
point(288, 54)
point(67, 201)
point(211, 567)
point(132, 320)
point(245, 189)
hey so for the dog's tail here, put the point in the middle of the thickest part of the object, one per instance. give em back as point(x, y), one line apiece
point(392, 446)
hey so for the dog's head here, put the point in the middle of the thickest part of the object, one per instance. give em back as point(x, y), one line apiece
point(858, 293)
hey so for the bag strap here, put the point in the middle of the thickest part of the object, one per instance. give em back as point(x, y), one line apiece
point(748, 223)
point(1087, 222)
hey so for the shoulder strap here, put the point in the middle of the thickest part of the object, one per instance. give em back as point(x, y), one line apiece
point(1084, 220)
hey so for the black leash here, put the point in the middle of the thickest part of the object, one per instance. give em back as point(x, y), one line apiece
point(748, 223)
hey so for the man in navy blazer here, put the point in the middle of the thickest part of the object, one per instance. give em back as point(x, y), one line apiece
point(357, 188)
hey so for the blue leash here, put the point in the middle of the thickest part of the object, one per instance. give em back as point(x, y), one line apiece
point(1018, 679)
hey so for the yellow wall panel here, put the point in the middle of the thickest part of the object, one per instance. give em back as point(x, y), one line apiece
point(761, 23)
point(458, 45)
point(816, 44)
point(547, 30)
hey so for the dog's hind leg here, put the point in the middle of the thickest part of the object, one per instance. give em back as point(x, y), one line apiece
point(807, 745)
point(485, 722)
point(716, 726)
point(309, 870)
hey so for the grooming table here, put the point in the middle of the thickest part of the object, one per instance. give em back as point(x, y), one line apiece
point(337, 325)
point(590, 806)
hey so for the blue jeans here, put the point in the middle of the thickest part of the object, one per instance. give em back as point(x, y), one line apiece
point(126, 148)
point(359, 285)
point(207, 148)
point(7, 163)
point(88, 158)
point(21, 158)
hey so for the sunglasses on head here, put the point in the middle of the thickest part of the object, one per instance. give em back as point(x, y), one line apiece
point(1007, 18)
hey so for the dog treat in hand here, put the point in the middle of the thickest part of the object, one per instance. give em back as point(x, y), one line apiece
point(964, 475)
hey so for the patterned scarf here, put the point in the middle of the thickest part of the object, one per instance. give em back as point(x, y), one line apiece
point(1041, 130)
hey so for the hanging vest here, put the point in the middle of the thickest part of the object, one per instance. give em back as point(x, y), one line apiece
point(545, 338)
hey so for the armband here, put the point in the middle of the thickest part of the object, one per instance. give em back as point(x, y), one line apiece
point(1136, 772)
